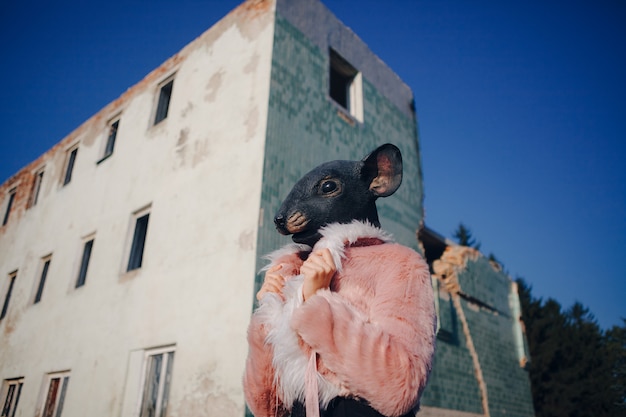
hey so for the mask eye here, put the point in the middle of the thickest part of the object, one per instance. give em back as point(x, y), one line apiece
point(329, 187)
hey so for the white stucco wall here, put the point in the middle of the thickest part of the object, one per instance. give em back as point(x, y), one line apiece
point(200, 173)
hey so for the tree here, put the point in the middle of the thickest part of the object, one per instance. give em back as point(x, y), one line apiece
point(576, 369)
point(463, 235)
point(616, 350)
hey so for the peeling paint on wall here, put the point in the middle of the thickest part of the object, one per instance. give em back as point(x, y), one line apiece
point(252, 121)
point(181, 145)
point(252, 64)
point(188, 108)
point(253, 16)
point(201, 151)
point(213, 86)
point(206, 397)
point(246, 240)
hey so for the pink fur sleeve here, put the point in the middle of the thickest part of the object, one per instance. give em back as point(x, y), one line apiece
point(259, 377)
point(258, 381)
point(384, 354)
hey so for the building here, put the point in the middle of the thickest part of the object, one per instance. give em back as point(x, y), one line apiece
point(129, 251)
point(481, 357)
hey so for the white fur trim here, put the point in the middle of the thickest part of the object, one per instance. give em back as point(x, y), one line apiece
point(289, 360)
point(285, 250)
point(336, 236)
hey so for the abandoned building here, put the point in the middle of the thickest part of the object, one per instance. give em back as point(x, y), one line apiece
point(129, 251)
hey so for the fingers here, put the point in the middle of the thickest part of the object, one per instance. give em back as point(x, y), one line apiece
point(274, 282)
point(328, 258)
point(323, 259)
point(319, 263)
point(318, 271)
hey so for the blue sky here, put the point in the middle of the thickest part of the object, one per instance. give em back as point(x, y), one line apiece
point(521, 113)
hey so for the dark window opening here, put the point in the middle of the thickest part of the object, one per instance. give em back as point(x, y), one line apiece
point(7, 298)
point(34, 196)
point(165, 95)
point(9, 205)
point(434, 245)
point(156, 385)
point(12, 398)
point(70, 166)
point(341, 77)
point(42, 281)
point(55, 397)
point(139, 239)
point(108, 150)
point(84, 263)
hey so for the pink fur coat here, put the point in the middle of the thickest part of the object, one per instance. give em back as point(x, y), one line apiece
point(370, 336)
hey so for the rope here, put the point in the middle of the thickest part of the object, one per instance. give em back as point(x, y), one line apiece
point(311, 391)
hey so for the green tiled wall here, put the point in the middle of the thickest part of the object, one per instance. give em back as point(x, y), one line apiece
point(304, 130)
point(453, 383)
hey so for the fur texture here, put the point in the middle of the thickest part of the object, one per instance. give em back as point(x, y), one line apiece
point(373, 331)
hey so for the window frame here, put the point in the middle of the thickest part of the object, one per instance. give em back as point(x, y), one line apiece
point(163, 100)
point(83, 264)
point(42, 273)
point(59, 395)
point(10, 196)
point(352, 82)
point(9, 407)
point(168, 354)
point(135, 252)
point(113, 128)
point(33, 199)
point(519, 333)
point(70, 162)
point(12, 277)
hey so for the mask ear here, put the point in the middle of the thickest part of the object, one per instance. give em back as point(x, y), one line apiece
point(382, 169)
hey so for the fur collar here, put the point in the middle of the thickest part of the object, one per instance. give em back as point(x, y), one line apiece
point(335, 237)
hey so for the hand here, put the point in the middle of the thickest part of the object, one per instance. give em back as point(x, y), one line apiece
point(274, 282)
point(318, 270)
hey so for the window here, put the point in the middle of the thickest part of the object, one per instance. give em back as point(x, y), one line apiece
point(108, 150)
point(446, 316)
point(135, 257)
point(55, 394)
point(45, 265)
point(9, 205)
point(11, 390)
point(519, 334)
point(165, 94)
point(110, 143)
point(7, 297)
point(345, 86)
point(69, 164)
point(34, 195)
point(156, 383)
point(84, 262)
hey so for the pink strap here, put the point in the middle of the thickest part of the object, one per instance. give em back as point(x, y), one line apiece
point(311, 395)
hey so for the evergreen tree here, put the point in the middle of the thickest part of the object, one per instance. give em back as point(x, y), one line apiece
point(464, 237)
point(576, 370)
point(616, 351)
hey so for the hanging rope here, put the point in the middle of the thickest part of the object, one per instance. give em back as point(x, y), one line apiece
point(446, 269)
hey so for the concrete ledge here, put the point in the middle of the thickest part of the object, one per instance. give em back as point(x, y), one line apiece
point(444, 412)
